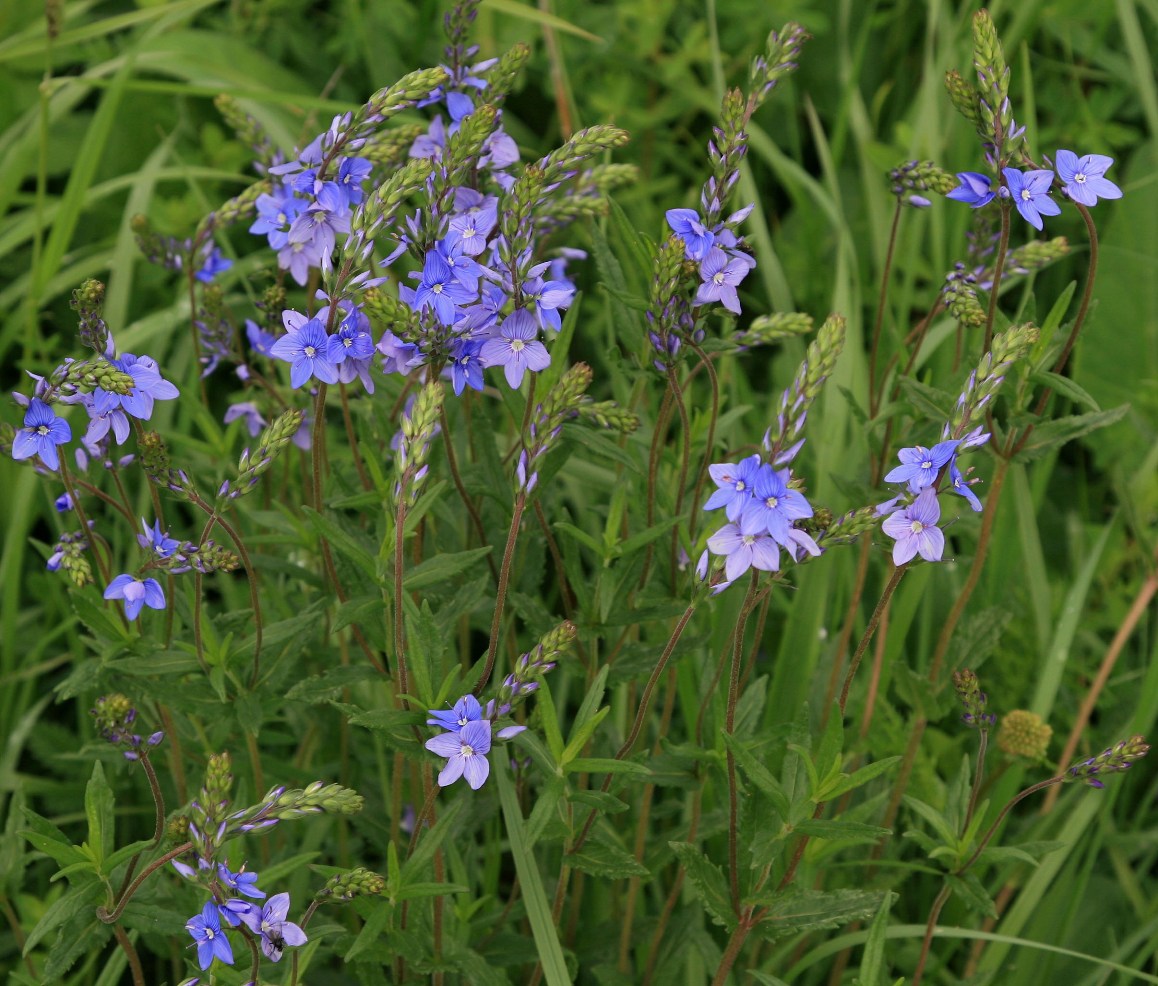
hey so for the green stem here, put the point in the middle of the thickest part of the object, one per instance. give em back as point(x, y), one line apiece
point(867, 636)
point(998, 269)
point(504, 584)
point(874, 397)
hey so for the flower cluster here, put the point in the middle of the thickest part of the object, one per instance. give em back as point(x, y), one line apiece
point(1082, 180)
point(467, 740)
point(762, 509)
point(115, 716)
point(269, 921)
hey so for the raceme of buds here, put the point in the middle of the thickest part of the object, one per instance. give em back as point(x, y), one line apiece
point(88, 301)
point(964, 96)
point(71, 557)
point(766, 329)
point(818, 363)
point(405, 92)
point(561, 163)
point(611, 415)
point(503, 75)
point(973, 700)
point(1008, 347)
point(115, 717)
point(915, 177)
point(960, 297)
point(995, 124)
point(343, 887)
point(538, 661)
point(154, 458)
point(270, 445)
point(779, 60)
point(418, 427)
point(248, 130)
point(558, 406)
point(1117, 758)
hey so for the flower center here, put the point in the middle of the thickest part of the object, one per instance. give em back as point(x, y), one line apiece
point(437, 289)
point(463, 721)
point(916, 527)
point(1080, 178)
point(209, 934)
point(1025, 195)
point(927, 464)
point(517, 345)
point(772, 503)
point(347, 343)
point(42, 430)
point(718, 278)
point(740, 487)
point(467, 750)
point(310, 352)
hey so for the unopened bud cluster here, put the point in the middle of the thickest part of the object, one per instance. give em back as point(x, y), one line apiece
point(418, 428)
point(973, 700)
point(1117, 758)
point(115, 716)
point(71, 556)
point(88, 302)
point(542, 658)
point(154, 456)
point(560, 404)
point(270, 444)
point(784, 437)
point(343, 887)
point(913, 178)
point(984, 381)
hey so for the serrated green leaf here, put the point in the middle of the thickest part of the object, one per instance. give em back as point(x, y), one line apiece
point(581, 734)
point(797, 910)
point(389, 720)
point(99, 813)
point(606, 765)
point(759, 775)
point(354, 548)
point(707, 880)
point(414, 891)
point(75, 901)
point(1065, 387)
point(837, 829)
point(443, 568)
point(606, 860)
point(849, 782)
point(927, 400)
point(972, 894)
point(1053, 434)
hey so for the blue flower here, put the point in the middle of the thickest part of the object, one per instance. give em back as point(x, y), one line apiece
point(747, 544)
point(41, 433)
point(240, 882)
point(920, 466)
point(275, 214)
point(961, 486)
point(689, 227)
point(351, 173)
point(465, 365)
point(136, 593)
point(975, 189)
point(1030, 193)
point(148, 386)
point(307, 348)
point(1083, 177)
point(156, 542)
point(276, 932)
point(466, 752)
point(213, 265)
point(247, 410)
point(915, 529)
point(466, 710)
point(776, 507)
point(735, 481)
point(211, 941)
point(720, 276)
point(438, 288)
point(515, 348)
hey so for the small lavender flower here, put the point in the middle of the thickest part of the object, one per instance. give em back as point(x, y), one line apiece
point(1084, 177)
point(961, 486)
point(307, 348)
point(154, 541)
point(240, 882)
point(915, 529)
point(973, 700)
point(1116, 758)
point(211, 941)
point(720, 275)
point(515, 348)
point(465, 366)
point(213, 264)
point(276, 932)
point(247, 410)
point(466, 752)
point(920, 466)
point(42, 432)
point(1030, 193)
point(975, 189)
point(136, 593)
point(747, 544)
point(689, 227)
point(735, 481)
point(466, 710)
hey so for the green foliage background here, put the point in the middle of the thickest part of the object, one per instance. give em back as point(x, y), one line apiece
point(115, 117)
